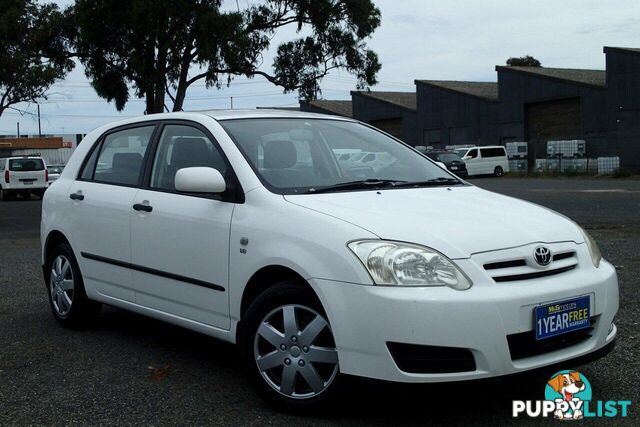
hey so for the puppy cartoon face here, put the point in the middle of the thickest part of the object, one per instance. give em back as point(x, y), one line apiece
point(567, 384)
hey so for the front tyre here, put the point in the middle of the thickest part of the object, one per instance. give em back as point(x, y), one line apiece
point(67, 296)
point(288, 349)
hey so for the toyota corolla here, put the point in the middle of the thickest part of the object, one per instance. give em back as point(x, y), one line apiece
point(243, 225)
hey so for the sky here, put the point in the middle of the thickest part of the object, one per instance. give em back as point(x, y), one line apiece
point(417, 39)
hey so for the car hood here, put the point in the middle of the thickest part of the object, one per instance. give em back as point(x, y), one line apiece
point(457, 221)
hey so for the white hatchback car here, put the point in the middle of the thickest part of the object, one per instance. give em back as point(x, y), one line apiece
point(244, 226)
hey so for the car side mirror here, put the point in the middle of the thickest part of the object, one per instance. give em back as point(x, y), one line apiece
point(200, 180)
point(442, 165)
point(466, 158)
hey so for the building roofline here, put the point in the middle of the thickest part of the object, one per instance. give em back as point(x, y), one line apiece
point(314, 103)
point(433, 83)
point(530, 72)
point(631, 50)
point(370, 94)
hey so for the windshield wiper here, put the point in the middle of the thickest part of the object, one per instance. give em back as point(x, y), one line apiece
point(431, 182)
point(355, 185)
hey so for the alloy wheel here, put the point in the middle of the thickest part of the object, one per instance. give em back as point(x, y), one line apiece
point(61, 285)
point(295, 351)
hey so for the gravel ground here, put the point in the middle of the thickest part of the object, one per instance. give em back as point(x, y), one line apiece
point(134, 370)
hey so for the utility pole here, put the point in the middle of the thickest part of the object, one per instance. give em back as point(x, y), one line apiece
point(39, 128)
point(232, 102)
point(18, 127)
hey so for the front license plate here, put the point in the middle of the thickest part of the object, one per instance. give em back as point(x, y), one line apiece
point(454, 168)
point(562, 317)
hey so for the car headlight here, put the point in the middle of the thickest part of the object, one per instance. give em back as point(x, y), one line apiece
point(404, 264)
point(594, 250)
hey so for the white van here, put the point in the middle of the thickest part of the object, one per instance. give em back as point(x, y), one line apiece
point(23, 175)
point(486, 160)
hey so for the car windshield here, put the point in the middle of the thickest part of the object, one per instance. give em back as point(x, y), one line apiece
point(26, 165)
point(448, 157)
point(303, 155)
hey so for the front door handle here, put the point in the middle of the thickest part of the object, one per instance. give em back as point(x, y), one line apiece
point(141, 207)
point(76, 196)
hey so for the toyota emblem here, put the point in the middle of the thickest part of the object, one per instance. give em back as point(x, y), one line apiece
point(542, 255)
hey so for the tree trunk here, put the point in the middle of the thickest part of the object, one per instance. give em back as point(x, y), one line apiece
point(181, 93)
point(149, 102)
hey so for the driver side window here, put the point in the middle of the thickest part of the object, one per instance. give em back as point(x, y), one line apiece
point(473, 153)
point(181, 147)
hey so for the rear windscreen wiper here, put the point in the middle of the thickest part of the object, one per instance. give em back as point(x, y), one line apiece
point(354, 185)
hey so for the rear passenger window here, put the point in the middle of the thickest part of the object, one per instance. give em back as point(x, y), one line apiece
point(121, 154)
point(183, 147)
point(492, 152)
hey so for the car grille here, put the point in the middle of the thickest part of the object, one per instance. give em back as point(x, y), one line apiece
point(525, 345)
point(512, 270)
point(428, 359)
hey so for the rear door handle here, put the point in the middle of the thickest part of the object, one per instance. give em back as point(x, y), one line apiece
point(76, 196)
point(141, 207)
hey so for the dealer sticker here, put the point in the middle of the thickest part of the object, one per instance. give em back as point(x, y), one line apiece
point(562, 317)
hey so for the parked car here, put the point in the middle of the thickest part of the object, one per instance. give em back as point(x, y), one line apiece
point(54, 172)
point(23, 175)
point(451, 160)
point(486, 160)
point(241, 226)
point(374, 160)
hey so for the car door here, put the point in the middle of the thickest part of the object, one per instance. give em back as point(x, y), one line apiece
point(101, 213)
point(180, 242)
point(473, 162)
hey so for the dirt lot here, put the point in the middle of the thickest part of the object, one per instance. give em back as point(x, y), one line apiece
point(134, 370)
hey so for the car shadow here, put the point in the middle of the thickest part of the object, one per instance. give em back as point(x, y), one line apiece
point(362, 400)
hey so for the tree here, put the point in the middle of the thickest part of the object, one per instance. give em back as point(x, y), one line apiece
point(32, 50)
point(524, 61)
point(161, 47)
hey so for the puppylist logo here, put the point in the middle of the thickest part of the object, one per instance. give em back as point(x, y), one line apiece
point(568, 397)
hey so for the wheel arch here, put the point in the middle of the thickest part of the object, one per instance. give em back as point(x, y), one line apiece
point(267, 277)
point(54, 238)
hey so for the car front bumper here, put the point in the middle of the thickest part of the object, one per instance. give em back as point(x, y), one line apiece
point(365, 318)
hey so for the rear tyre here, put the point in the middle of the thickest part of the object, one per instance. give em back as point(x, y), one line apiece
point(67, 296)
point(288, 350)
point(5, 195)
point(498, 171)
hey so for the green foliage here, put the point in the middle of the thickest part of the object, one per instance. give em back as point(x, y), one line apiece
point(161, 47)
point(32, 50)
point(524, 61)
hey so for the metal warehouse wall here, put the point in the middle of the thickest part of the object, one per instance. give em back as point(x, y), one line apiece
point(623, 106)
point(518, 89)
point(51, 156)
point(369, 109)
point(455, 117)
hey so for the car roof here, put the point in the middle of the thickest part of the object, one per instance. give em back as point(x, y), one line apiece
point(265, 113)
point(220, 115)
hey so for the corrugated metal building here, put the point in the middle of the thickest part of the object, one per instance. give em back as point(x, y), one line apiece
point(532, 104)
